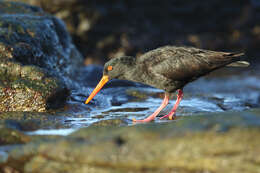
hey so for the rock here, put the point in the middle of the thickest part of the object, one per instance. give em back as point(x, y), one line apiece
point(105, 29)
point(30, 121)
point(37, 59)
point(36, 38)
point(223, 142)
point(111, 122)
point(11, 136)
point(28, 88)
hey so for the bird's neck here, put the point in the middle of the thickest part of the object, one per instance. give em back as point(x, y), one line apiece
point(134, 73)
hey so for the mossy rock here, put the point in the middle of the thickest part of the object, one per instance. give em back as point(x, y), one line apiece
point(37, 59)
point(218, 143)
point(28, 88)
point(31, 121)
point(11, 136)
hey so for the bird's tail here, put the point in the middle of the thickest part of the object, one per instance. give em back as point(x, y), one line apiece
point(239, 63)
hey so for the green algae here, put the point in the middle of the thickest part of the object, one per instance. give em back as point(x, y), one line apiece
point(153, 147)
point(35, 55)
point(17, 80)
point(11, 136)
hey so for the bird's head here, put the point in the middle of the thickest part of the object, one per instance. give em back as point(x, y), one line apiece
point(113, 69)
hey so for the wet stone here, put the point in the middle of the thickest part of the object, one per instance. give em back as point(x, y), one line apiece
point(36, 59)
point(153, 147)
point(29, 93)
point(111, 122)
point(10, 136)
point(30, 121)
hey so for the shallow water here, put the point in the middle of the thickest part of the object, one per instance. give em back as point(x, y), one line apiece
point(224, 90)
point(235, 92)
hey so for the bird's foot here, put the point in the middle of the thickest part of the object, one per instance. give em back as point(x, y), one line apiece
point(152, 117)
point(171, 116)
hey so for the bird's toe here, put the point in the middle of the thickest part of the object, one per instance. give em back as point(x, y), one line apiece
point(172, 117)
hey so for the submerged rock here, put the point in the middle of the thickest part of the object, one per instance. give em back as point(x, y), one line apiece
point(224, 142)
point(37, 59)
point(111, 122)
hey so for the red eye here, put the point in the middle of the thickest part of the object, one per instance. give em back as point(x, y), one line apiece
point(109, 68)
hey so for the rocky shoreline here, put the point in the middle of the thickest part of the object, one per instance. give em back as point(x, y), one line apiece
point(215, 143)
point(43, 85)
point(36, 55)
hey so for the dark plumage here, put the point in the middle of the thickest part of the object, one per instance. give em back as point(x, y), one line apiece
point(170, 68)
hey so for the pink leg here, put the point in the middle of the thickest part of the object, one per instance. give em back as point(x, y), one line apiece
point(172, 112)
point(152, 117)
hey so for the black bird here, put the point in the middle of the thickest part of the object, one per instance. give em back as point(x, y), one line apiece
point(169, 68)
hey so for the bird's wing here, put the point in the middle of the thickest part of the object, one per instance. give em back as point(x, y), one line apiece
point(184, 63)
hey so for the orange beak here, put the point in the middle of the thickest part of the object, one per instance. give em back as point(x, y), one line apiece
point(102, 82)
